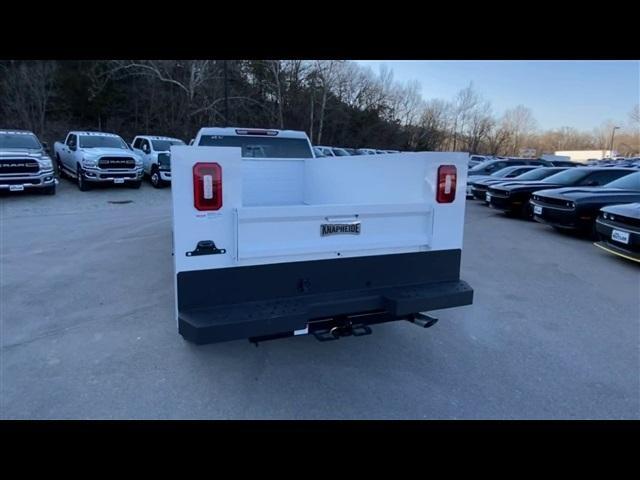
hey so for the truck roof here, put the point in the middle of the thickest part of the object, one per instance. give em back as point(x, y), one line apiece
point(240, 131)
point(17, 132)
point(97, 134)
point(157, 137)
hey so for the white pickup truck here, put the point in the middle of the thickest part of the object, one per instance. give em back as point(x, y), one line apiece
point(91, 157)
point(24, 163)
point(156, 157)
point(271, 242)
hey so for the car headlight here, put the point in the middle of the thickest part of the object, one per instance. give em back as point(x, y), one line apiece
point(138, 162)
point(89, 162)
point(46, 163)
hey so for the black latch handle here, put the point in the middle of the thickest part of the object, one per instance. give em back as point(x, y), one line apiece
point(206, 247)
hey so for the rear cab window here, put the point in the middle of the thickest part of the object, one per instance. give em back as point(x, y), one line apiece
point(261, 146)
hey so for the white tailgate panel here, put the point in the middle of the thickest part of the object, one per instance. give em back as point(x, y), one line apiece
point(290, 231)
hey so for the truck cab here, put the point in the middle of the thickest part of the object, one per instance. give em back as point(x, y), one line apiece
point(270, 241)
point(98, 157)
point(25, 163)
point(155, 152)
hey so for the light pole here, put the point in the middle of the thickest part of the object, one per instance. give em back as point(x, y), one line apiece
point(613, 132)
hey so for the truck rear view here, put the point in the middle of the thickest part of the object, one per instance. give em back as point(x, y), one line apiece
point(270, 241)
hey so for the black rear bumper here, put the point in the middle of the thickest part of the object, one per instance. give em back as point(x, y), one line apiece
point(258, 301)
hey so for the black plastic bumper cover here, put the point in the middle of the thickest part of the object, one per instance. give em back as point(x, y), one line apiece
point(234, 303)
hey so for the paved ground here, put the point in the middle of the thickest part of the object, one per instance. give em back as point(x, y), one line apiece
point(87, 329)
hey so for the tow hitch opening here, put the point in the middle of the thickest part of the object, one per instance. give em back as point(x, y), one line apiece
point(334, 328)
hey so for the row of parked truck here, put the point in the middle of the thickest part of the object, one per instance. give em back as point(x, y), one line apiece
point(602, 202)
point(89, 157)
point(86, 157)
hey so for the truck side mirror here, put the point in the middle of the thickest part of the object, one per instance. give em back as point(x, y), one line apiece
point(45, 145)
point(72, 146)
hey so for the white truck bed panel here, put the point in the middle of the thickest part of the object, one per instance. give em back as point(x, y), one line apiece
point(387, 226)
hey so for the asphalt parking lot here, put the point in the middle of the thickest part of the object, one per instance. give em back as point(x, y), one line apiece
point(88, 329)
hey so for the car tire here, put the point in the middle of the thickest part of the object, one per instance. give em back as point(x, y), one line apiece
point(155, 179)
point(49, 190)
point(526, 212)
point(83, 185)
point(61, 172)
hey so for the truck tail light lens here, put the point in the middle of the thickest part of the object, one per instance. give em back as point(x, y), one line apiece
point(207, 186)
point(447, 179)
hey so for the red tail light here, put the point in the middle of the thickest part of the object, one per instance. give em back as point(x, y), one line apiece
point(207, 186)
point(447, 179)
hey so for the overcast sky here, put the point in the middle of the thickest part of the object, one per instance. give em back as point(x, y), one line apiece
point(579, 94)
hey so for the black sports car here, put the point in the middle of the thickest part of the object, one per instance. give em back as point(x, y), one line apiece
point(491, 166)
point(618, 229)
point(576, 208)
point(513, 197)
point(477, 185)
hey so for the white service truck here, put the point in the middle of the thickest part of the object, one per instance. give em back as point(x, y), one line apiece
point(155, 152)
point(92, 157)
point(271, 242)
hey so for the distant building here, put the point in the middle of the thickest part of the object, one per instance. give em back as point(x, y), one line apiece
point(584, 155)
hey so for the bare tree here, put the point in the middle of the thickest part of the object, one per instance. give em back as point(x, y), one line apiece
point(519, 123)
point(479, 123)
point(431, 133)
point(28, 88)
point(634, 115)
point(325, 71)
point(464, 103)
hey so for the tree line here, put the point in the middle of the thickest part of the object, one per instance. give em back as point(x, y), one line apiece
point(336, 102)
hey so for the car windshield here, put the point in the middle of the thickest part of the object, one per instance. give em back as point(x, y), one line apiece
point(165, 145)
point(481, 167)
point(628, 182)
point(261, 147)
point(101, 141)
point(538, 174)
point(567, 177)
point(503, 171)
point(19, 141)
point(338, 152)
